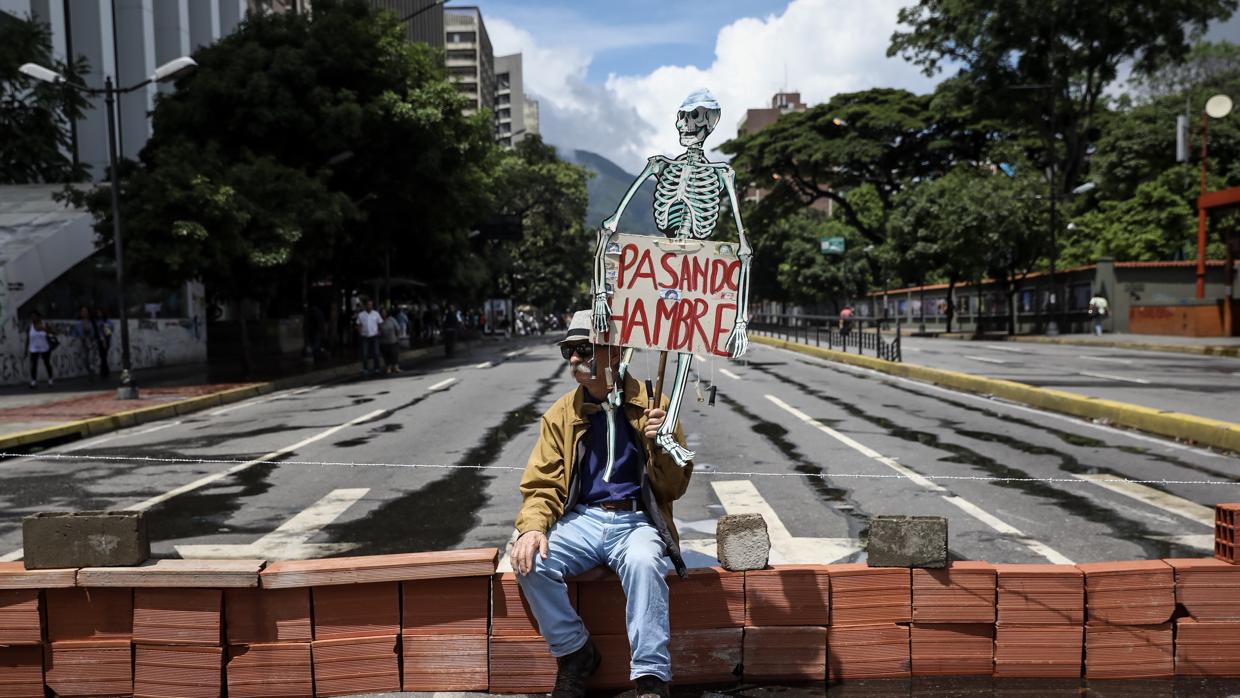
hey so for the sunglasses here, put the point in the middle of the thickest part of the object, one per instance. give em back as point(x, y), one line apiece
point(583, 349)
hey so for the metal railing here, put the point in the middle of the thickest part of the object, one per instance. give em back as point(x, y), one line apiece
point(860, 333)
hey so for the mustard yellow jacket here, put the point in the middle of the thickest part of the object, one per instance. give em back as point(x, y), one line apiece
point(549, 487)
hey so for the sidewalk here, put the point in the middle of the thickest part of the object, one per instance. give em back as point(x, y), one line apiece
point(85, 406)
point(1209, 346)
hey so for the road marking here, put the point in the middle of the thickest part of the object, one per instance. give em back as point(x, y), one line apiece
point(484, 364)
point(966, 506)
point(441, 385)
point(742, 497)
point(1200, 541)
point(992, 402)
point(208, 479)
point(289, 541)
point(1013, 350)
point(1108, 376)
point(261, 400)
point(1156, 498)
point(1107, 358)
point(517, 352)
point(729, 374)
point(984, 359)
point(13, 556)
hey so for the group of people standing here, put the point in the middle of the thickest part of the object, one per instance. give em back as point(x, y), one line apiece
point(93, 331)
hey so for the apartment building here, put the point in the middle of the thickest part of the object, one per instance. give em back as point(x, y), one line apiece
point(423, 19)
point(470, 60)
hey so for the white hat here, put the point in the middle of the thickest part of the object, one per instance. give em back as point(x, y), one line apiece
point(579, 327)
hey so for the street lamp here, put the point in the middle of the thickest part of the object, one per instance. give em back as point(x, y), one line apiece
point(415, 13)
point(128, 389)
point(1217, 107)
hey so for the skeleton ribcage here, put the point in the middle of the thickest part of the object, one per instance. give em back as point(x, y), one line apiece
point(686, 200)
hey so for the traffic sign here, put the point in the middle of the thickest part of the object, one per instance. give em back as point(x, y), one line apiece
point(832, 245)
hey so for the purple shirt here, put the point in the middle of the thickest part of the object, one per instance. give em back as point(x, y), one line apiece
point(625, 472)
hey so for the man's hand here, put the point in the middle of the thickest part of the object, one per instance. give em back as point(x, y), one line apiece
point(654, 420)
point(523, 551)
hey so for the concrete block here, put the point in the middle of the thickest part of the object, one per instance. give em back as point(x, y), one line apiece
point(743, 542)
point(85, 539)
point(907, 541)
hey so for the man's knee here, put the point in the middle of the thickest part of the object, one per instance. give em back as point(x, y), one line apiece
point(646, 560)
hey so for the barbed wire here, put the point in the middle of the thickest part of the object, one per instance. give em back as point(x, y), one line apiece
point(510, 468)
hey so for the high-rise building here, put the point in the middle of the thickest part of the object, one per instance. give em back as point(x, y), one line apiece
point(423, 18)
point(470, 58)
point(782, 103)
point(127, 40)
point(510, 125)
point(531, 115)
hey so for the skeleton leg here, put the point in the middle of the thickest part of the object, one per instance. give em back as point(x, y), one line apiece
point(665, 437)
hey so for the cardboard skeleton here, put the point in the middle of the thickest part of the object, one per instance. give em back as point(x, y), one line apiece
point(688, 197)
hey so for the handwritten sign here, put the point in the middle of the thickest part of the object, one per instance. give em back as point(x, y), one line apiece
point(671, 295)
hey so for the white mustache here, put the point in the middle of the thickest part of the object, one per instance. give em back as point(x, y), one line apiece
point(584, 369)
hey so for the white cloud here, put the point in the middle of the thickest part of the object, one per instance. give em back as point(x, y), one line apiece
point(823, 47)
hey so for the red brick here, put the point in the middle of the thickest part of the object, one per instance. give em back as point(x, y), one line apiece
point(952, 649)
point(14, 575)
point(174, 573)
point(356, 610)
point(1130, 592)
point(1040, 594)
point(1039, 651)
point(178, 616)
point(601, 605)
point(791, 595)
point(521, 664)
point(356, 665)
point(177, 671)
point(877, 651)
point(445, 662)
point(1128, 651)
point(89, 614)
point(21, 671)
point(510, 612)
point(706, 656)
point(962, 592)
point(785, 653)
point(709, 598)
point(452, 606)
point(613, 671)
point(1207, 648)
point(401, 567)
point(89, 667)
point(1206, 588)
point(20, 623)
point(862, 595)
point(267, 670)
point(255, 616)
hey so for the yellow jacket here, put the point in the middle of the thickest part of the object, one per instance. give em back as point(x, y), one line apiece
point(549, 487)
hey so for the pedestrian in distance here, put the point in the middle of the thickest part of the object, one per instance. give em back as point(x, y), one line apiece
point(1098, 309)
point(40, 341)
point(597, 492)
point(389, 342)
point(103, 334)
point(368, 321)
point(450, 326)
point(846, 316)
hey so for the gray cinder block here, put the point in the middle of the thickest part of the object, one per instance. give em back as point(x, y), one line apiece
point(742, 542)
point(85, 539)
point(907, 541)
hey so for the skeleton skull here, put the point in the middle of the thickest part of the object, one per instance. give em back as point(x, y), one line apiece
point(697, 117)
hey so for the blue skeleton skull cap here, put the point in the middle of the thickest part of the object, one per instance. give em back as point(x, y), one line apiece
point(700, 97)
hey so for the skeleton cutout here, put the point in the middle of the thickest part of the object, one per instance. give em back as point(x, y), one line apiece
point(688, 198)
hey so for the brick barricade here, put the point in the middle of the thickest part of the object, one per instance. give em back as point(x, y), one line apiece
point(206, 628)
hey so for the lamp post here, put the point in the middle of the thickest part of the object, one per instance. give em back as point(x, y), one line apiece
point(415, 13)
point(128, 389)
point(1217, 107)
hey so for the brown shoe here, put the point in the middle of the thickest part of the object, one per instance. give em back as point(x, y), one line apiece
point(651, 687)
point(574, 669)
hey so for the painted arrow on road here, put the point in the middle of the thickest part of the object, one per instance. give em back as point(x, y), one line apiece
point(289, 541)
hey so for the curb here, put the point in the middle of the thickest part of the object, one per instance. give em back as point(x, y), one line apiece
point(1177, 425)
point(1198, 349)
point(94, 426)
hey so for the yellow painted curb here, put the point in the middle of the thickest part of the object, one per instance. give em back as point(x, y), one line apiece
point(94, 426)
point(1198, 349)
point(1186, 427)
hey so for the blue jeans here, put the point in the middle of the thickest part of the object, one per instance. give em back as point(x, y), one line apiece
point(626, 542)
point(370, 352)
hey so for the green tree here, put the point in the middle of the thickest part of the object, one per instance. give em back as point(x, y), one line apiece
point(1045, 66)
point(549, 265)
point(809, 277)
point(36, 117)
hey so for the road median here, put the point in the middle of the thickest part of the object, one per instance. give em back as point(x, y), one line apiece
point(1185, 427)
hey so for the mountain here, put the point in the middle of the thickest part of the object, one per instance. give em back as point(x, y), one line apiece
point(607, 188)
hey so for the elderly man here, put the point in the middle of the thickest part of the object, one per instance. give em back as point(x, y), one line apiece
point(596, 492)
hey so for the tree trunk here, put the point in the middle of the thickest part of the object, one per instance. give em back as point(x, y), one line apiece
point(1011, 303)
point(951, 302)
point(246, 364)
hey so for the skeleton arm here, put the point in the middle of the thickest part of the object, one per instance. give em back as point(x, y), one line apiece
point(738, 341)
point(602, 311)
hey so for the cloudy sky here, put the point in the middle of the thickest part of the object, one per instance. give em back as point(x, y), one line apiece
point(609, 75)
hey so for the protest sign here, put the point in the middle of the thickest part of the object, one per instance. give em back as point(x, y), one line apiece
point(672, 295)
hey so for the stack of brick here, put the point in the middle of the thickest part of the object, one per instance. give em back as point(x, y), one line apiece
point(1226, 520)
point(953, 620)
point(871, 609)
point(707, 617)
point(787, 611)
point(444, 626)
point(90, 636)
point(1205, 642)
point(21, 627)
point(520, 661)
point(1040, 614)
point(177, 620)
point(351, 642)
point(1128, 632)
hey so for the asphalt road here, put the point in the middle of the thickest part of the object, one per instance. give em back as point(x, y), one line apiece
point(430, 459)
point(1205, 386)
